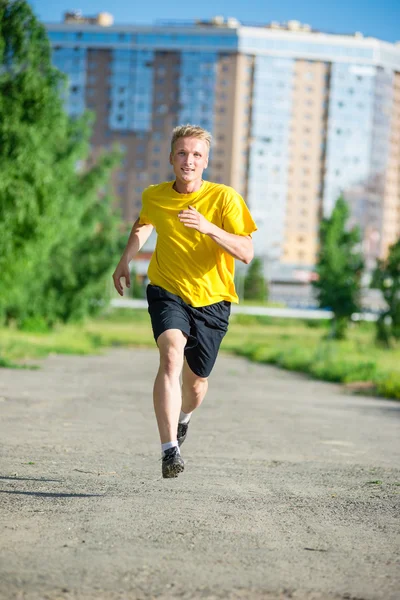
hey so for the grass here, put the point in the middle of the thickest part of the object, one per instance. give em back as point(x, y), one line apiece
point(293, 344)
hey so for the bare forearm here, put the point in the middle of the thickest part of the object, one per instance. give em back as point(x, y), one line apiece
point(137, 238)
point(238, 246)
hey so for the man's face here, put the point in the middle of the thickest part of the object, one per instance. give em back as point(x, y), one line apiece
point(189, 159)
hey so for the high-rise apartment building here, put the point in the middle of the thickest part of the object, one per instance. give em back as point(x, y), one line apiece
point(298, 117)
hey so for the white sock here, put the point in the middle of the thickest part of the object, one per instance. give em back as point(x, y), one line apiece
point(169, 445)
point(184, 417)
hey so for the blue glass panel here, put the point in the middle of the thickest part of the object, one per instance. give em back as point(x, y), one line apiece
point(268, 160)
point(132, 85)
point(197, 105)
point(320, 51)
point(349, 136)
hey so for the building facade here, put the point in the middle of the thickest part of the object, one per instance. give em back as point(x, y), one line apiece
point(298, 117)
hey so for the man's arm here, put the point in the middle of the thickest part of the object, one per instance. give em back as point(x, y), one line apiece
point(138, 237)
point(238, 246)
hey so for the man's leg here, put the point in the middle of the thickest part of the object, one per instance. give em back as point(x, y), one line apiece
point(194, 389)
point(167, 393)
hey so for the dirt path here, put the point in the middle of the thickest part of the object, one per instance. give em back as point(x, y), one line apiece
point(280, 497)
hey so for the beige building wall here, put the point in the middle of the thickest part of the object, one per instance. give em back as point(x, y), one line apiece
point(98, 100)
point(145, 154)
point(391, 202)
point(306, 163)
point(221, 157)
point(165, 110)
point(241, 127)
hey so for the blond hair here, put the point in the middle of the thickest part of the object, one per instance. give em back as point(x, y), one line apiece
point(191, 131)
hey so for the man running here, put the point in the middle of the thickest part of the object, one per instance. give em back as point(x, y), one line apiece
point(201, 228)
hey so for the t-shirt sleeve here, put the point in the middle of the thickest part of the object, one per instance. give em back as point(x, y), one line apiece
point(144, 217)
point(236, 217)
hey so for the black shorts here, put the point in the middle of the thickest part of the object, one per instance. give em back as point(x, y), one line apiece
point(205, 326)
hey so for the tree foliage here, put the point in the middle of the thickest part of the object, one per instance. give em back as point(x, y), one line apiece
point(255, 285)
point(58, 237)
point(339, 268)
point(386, 278)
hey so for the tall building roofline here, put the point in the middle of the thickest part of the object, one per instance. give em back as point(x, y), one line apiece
point(106, 20)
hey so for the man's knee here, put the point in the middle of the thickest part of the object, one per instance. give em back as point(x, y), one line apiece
point(171, 344)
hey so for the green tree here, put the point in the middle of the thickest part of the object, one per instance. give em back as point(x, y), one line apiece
point(386, 278)
point(339, 268)
point(255, 284)
point(58, 237)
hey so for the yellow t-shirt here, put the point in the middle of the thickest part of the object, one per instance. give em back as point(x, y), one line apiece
point(186, 262)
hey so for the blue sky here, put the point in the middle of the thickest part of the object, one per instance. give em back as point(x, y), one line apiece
point(375, 18)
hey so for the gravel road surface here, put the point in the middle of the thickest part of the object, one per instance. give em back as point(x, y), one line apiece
point(291, 488)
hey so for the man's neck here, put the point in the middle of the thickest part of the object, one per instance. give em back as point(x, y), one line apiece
point(187, 188)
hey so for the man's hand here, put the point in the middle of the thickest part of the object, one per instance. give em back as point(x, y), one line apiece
point(122, 270)
point(193, 219)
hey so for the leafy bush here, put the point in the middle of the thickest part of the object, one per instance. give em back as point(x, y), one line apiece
point(388, 384)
